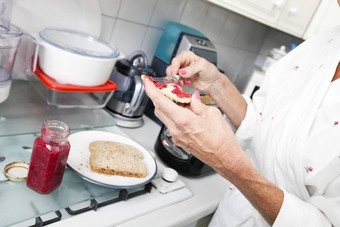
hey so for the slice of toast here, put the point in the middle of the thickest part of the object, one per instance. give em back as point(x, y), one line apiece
point(114, 158)
point(111, 146)
point(172, 91)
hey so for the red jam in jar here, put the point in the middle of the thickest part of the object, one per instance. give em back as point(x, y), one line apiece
point(49, 157)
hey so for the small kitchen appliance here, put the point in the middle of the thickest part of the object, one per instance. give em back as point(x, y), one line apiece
point(176, 38)
point(128, 103)
point(178, 158)
point(11, 49)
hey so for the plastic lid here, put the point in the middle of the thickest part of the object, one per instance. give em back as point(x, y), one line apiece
point(16, 171)
point(11, 31)
point(78, 43)
point(54, 85)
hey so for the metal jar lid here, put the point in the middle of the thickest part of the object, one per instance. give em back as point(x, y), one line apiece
point(16, 171)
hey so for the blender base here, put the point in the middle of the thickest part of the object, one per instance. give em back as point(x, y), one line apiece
point(127, 122)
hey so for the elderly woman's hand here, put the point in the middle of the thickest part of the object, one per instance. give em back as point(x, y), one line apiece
point(205, 77)
point(203, 131)
point(200, 129)
point(201, 73)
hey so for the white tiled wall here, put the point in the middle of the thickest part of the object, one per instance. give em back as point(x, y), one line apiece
point(240, 42)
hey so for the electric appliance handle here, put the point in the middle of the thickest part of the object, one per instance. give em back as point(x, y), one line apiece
point(137, 96)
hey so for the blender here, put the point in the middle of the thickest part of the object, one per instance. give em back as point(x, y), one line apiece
point(129, 101)
point(14, 45)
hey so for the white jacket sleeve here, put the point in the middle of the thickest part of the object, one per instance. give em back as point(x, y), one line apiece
point(319, 211)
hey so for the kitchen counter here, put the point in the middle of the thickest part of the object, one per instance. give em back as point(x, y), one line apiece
point(206, 193)
point(182, 207)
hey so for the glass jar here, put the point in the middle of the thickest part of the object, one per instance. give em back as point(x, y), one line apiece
point(49, 157)
point(273, 56)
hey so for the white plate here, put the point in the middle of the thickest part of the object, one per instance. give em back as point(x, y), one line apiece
point(78, 160)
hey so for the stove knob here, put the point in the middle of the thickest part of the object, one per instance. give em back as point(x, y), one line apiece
point(169, 175)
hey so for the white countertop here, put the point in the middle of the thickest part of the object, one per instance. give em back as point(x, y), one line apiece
point(207, 191)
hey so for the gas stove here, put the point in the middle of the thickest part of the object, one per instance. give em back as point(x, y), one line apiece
point(111, 209)
point(78, 202)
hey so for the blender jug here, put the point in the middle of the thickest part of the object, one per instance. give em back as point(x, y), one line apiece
point(5, 13)
point(11, 38)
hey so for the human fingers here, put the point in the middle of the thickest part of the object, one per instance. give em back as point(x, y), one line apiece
point(165, 109)
point(198, 73)
point(185, 58)
point(196, 68)
point(196, 105)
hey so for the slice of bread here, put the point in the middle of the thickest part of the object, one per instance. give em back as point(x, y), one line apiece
point(114, 158)
point(168, 92)
point(208, 100)
point(171, 90)
point(111, 146)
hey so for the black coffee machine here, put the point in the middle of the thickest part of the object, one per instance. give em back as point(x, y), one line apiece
point(178, 158)
point(175, 38)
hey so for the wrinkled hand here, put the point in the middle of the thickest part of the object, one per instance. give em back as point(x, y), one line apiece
point(201, 73)
point(204, 132)
point(200, 129)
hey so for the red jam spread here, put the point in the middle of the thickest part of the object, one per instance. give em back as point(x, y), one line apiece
point(48, 163)
point(159, 85)
point(177, 89)
point(180, 93)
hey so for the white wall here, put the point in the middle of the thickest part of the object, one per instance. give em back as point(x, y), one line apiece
point(240, 42)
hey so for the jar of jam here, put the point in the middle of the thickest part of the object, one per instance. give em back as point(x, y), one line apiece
point(49, 157)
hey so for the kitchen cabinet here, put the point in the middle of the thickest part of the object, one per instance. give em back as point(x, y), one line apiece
point(326, 16)
point(290, 16)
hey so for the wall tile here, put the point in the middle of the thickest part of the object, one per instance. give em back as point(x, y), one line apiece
point(240, 42)
point(139, 11)
point(107, 27)
point(258, 36)
point(214, 22)
point(167, 11)
point(259, 61)
point(110, 7)
point(230, 28)
point(246, 38)
point(246, 68)
point(194, 13)
point(237, 64)
point(227, 60)
point(150, 42)
point(128, 36)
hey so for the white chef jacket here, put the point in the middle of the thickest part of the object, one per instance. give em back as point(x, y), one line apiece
point(291, 133)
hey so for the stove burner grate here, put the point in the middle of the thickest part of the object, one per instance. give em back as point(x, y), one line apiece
point(123, 196)
point(39, 222)
point(94, 205)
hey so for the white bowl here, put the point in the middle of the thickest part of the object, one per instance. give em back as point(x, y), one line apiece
point(75, 58)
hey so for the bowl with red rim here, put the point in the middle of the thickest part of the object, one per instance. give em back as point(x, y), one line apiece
point(76, 58)
point(71, 96)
